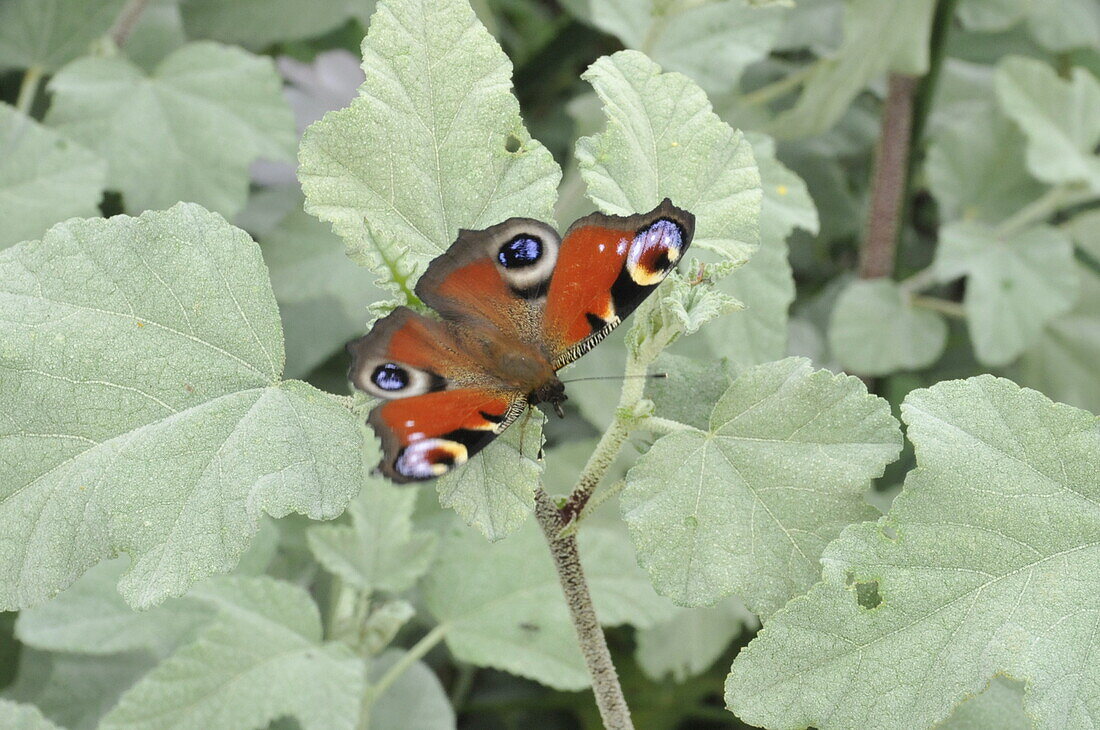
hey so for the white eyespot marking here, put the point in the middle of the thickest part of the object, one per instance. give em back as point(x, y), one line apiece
point(427, 458)
point(525, 254)
point(654, 251)
point(391, 380)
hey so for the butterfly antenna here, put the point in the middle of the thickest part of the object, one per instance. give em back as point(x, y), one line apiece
point(616, 377)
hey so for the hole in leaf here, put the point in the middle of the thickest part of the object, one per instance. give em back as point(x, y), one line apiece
point(867, 595)
point(691, 522)
point(529, 627)
point(889, 531)
point(512, 144)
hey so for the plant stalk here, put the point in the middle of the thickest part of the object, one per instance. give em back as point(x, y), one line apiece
point(28, 89)
point(418, 650)
point(879, 249)
point(597, 657)
point(126, 21)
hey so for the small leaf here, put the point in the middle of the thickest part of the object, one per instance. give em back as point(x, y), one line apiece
point(188, 131)
point(691, 641)
point(747, 506)
point(663, 140)
point(976, 168)
point(379, 550)
point(423, 150)
point(495, 490)
point(416, 699)
point(985, 565)
point(260, 659)
point(680, 307)
point(15, 716)
point(145, 410)
point(50, 33)
point(875, 330)
point(1063, 25)
point(1015, 285)
point(257, 24)
point(1060, 118)
point(690, 388)
point(44, 178)
point(503, 605)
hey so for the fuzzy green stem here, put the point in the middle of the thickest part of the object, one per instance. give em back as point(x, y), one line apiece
point(28, 90)
point(919, 281)
point(605, 680)
point(943, 306)
point(418, 650)
point(776, 89)
point(1043, 207)
point(126, 21)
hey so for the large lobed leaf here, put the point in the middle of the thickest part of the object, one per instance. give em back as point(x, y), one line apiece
point(747, 505)
point(433, 143)
point(987, 563)
point(663, 140)
point(144, 411)
point(44, 178)
point(186, 131)
point(50, 33)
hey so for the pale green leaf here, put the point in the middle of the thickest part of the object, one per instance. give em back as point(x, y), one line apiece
point(495, 490)
point(50, 33)
point(1063, 25)
point(92, 618)
point(663, 140)
point(416, 699)
point(813, 24)
point(986, 564)
point(1000, 705)
point(262, 658)
point(976, 168)
point(14, 716)
point(44, 178)
point(991, 16)
point(259, 23)
point(187, 131)
point(1015, 284)
point(680, 308)
point(765, 285)
point(423, 150)
point(691, 641)
point(748, 505)
point(379, 550)
point(1060, 118)
point(144, 410)
point(875, 330)
point(878, 37)
point(690, 388)
point(76, 690)
point(712, 42)
point(158, 33)
point(323, 296)
point(503, 607)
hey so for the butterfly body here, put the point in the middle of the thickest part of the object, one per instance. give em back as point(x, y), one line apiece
point(516, 303)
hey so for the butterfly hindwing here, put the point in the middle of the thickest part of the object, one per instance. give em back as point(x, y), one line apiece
point(439, 407)
point(606, 266)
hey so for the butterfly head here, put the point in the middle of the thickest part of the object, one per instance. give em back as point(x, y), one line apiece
point(551, 392)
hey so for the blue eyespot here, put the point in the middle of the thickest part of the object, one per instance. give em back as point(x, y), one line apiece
point(521, 251)
point(389, 376)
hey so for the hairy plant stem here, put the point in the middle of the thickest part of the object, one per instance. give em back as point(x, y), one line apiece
point(776, 89)
point(605, 680)
point(28, 89)
point(889, 181)
point(1043, 207)
point(418, 650)
point(943, 306)
point(126, 21)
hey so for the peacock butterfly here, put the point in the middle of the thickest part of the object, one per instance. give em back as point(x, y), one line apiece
point(516, 303)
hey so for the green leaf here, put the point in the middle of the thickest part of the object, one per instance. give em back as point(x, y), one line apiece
point(875, 330)
point(986, 564)
point(495, 491)
point(712, 42)
point(259, 23)
point(747, 506)
point(765, 285)
point(1015, 284)
point(91, 618)
point(680, 308)
point(991, 16)
point(976, 168)
point(503, 606)
point(262, 658)
point(15, 716)
point(691, 641)
point(1060, 118)
point(663, 140)
point(145, 413)
point(1000, 705)
point(691, 385)
point(416, 699)
point(44, 178)
point(187, 131)
point(423, 150)
point(50, 33)
point(1063, 25)
point(878, 37)
point(379, 550)
point(323, 296)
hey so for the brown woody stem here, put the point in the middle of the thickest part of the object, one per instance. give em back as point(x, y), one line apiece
point(605, 680)
point(127, 19)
